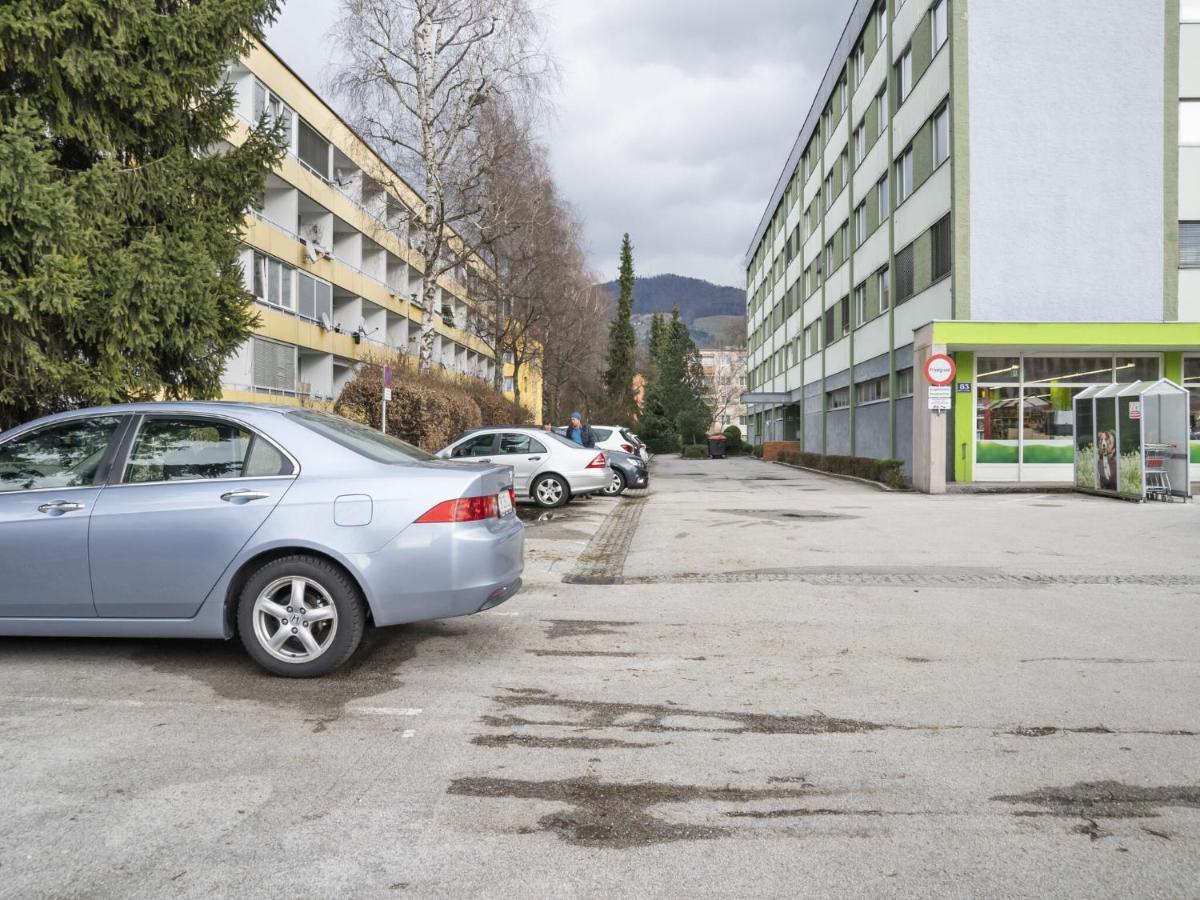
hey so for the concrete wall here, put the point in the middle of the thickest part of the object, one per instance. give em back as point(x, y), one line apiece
point(1066, 160)
point(837, 432)
point(871, 430)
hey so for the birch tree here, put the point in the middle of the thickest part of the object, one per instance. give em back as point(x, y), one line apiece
point(417, 76)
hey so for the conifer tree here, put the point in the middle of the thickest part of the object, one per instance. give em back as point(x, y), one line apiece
point(119, 263)
point(618, 375)
point(676, 410)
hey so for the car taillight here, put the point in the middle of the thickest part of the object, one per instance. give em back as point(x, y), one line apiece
point(598, 463)
point(465, 509)
point(627, 448)
point(512, 495)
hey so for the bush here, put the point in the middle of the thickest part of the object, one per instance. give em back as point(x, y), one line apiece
point(662, 444)
point(733, 436)
point(695, 451)
point(885, 471)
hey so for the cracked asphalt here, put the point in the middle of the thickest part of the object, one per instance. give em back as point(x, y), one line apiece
point(750, 681)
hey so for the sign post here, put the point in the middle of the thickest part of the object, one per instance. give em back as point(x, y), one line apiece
point(939, 372)
point(387, 395)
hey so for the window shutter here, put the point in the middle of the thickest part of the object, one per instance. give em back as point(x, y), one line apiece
point(1189, 245)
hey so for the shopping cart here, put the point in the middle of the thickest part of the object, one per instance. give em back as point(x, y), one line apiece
point(1154, 468)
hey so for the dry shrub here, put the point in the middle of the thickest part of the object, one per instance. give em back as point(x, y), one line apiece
point(427, 411)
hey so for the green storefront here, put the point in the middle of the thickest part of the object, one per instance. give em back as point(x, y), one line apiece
point(1013, 417)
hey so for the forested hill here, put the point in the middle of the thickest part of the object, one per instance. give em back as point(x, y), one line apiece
point(715, 314)
point(696, 298)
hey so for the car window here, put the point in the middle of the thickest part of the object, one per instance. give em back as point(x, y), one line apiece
point(359, 438)
point(602, 434)
point(265, 461)
point(63, 455)
point(480, 445)
point(520, 443)
point(184, 449)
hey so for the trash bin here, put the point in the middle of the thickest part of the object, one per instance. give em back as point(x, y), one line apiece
point(716, 446)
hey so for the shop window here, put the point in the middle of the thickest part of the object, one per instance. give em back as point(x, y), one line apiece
point(998, 369)
point(1068, 369)
point(1137, 368)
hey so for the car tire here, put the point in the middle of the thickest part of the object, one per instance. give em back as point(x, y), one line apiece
point(550, 492)
point(616, 485)
point(267, 606)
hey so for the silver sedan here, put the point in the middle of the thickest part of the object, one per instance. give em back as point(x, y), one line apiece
point(290, 528)
point(547, 468)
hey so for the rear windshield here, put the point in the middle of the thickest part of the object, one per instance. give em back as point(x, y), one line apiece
point(362, 440)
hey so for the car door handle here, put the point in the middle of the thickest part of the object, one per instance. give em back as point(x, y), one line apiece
point(59, 507)
point(244, 496)
point(535, 459)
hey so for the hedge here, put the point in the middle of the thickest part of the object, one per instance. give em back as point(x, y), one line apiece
point(428, 411)
point(695, 451)
point(885, 471)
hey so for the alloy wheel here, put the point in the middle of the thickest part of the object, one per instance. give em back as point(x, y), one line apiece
point(614, 484)
point(549, 492)
point(295, 619)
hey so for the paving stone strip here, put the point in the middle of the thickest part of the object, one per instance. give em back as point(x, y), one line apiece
point(603, 560)
point(931, 578)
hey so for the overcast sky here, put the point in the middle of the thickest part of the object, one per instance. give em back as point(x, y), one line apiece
point(674, 119)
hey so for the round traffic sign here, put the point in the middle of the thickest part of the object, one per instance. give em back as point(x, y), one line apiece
point(939, 369)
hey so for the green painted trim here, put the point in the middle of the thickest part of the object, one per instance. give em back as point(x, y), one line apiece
point(1173, 366)
point(889, 89)
point(1141, 335)
point(964, 418)
point(960, 162)
point(1171, 163)
point(850, 263)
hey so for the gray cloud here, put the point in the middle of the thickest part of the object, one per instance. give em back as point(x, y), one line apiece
point(675, 117)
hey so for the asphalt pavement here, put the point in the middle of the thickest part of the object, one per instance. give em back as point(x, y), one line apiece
point(748, 681)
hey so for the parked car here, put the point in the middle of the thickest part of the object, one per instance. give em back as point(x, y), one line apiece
point(291, 528)
point(626, 470)
point(613, 437)
point(547, 468)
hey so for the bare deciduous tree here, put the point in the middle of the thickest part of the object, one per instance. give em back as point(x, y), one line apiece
point(417, 76)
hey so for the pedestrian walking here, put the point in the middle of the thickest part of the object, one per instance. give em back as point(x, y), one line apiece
point(579, 432)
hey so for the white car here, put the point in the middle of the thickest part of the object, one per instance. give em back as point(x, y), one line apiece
point(610, 437)
point(547, 468)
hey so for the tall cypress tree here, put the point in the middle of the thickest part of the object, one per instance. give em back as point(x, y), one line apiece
point(119, 269)
point(618, 376)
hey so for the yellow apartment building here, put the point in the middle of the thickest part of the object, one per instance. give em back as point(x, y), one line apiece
point(330, 259)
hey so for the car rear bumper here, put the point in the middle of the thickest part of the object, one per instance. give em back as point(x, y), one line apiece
point(439, 571)
point(589, 482)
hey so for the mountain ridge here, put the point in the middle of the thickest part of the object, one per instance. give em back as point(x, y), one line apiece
point(715, 314)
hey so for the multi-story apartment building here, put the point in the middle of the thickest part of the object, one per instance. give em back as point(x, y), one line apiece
point(1016, 184)
point(330, 259)
point(725, 375)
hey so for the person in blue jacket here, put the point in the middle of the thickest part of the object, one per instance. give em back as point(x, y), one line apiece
point(579, 432)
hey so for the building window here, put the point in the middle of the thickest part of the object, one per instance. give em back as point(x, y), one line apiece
point(508, 384)
point(881, 111)
point(904, 175)
point(941, 248)
point(827, 327)
point(885, 289)
point(860, 224)
point(839, 399)
point(904, 383)
point(871, 391)
point(860, 303)
point(275, 110)
point(842, 94)
point(313, 150)
point(844, 313)
point(904, 75)
point(829, 266)
point(938, 23)
point(315, 298)
point(844, 233)
point(860, 143)
point(882, 191)
point(273, 281)
point(828, 190)
point(274, 366)
point(941, 135)
point(904, 274)
point(1189, 245)
point(860, 64)
point(881, 19)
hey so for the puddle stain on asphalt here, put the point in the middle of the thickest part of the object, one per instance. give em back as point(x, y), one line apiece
point(808, 515)
point(225, 668)
point(561, 628)
point(655, 718)
point(613, 815)
point(1104, 800)
point(556, 743)
point(1048, 730)
point(612, 653)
